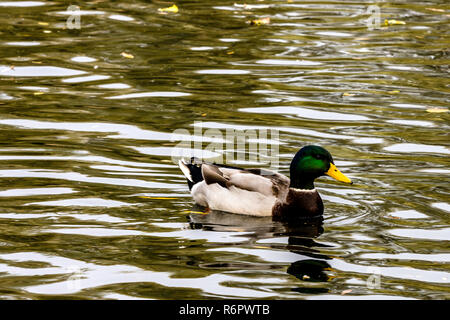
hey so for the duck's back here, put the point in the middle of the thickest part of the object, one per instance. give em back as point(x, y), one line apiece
point(237, 190)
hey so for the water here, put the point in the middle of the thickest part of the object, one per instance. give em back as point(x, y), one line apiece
point(93, 207)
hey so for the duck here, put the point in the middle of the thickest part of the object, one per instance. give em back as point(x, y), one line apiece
point(263, 192)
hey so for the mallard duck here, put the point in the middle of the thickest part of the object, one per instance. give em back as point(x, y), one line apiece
point(261, 192)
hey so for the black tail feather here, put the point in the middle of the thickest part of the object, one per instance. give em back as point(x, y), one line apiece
point(195, 168)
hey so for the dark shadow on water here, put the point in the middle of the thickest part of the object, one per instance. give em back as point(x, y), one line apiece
point(301, 240)
point(262, 227)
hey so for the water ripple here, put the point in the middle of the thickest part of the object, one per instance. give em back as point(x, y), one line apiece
point(93, 206)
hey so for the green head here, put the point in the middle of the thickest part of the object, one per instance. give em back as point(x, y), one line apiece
point(311, 162)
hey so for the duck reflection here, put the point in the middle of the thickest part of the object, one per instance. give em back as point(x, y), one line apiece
point(301, 240)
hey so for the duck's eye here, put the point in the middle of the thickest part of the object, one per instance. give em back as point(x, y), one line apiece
point(318, 156)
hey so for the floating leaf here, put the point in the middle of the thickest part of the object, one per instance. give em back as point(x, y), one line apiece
point(437, 110)
point(245, 6)
point(261, 247)
point(38, 93)
point(203, 114)
point(127, 55)
point(173, 9)
point(394, 91)
point(346, 291)
point(435, 9)
point(259, 22)
point(230, 52)
point(306, 277)
point(190, 211)
point(346, 94)
point(43, 23)
point(393, 22)
point(157, 198)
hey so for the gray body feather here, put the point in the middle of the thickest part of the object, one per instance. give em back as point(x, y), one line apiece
point(238, 190)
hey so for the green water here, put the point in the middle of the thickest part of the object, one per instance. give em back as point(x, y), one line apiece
point(92, 205)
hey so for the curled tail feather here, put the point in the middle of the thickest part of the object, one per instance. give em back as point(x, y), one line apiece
point(192, 171)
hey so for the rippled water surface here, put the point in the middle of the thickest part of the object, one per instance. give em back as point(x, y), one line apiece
point(92, 205)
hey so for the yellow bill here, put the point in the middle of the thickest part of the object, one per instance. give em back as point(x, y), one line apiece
point(335, 173)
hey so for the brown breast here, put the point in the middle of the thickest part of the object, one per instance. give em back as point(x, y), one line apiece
point(298, 204)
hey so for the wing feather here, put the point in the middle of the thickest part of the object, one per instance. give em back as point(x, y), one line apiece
point(265, 182)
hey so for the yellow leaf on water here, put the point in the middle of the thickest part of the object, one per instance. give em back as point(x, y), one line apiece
point(394, 91)
point(393, 22)
point(346, 94)
point(198, 212)
point(230, 52)
point(435, 9)
point(203, 114)
point(173, 9)
point(245, 6)
point(261, 247)
point(157, 198)
point(437, 110)
point(346, 291)
point(43, 23)
point(127, 55)
point(259, 22)
point(38, 93)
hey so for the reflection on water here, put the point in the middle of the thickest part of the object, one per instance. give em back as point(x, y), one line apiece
point(301, 245)
point(92, 206)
